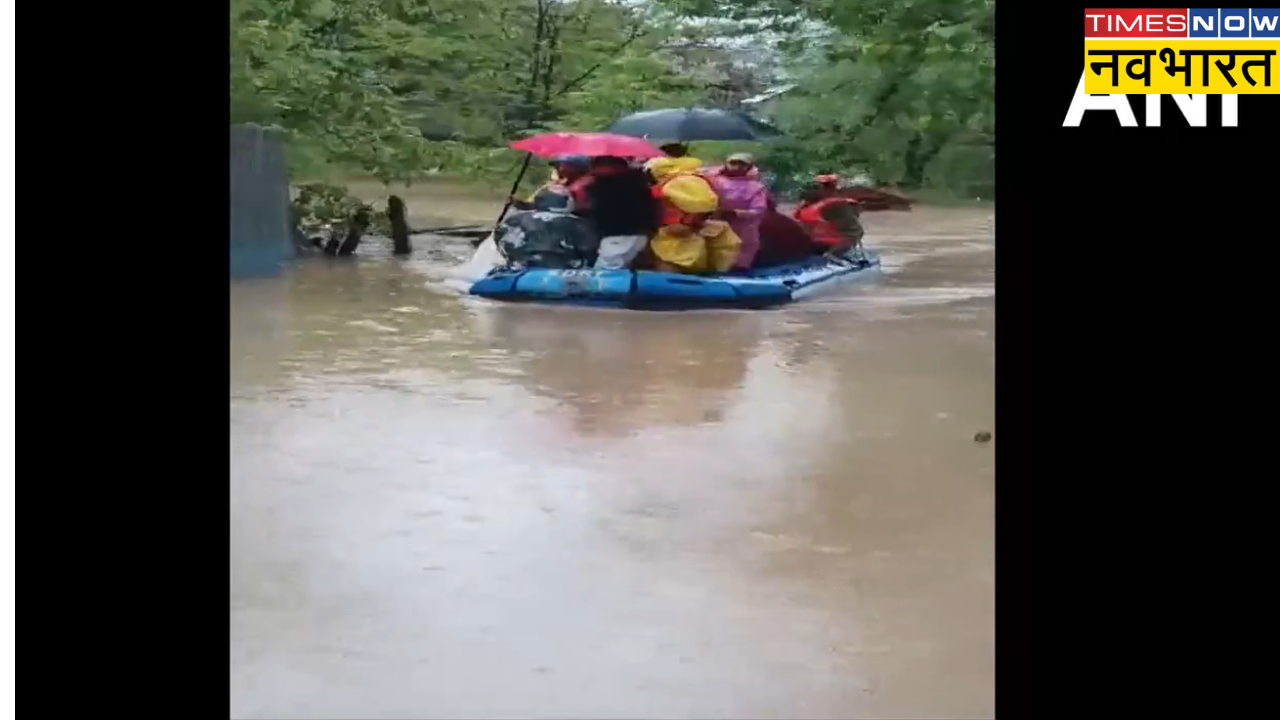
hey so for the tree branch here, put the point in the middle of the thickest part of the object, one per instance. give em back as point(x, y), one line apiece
point(553, 58)
point(635, 34)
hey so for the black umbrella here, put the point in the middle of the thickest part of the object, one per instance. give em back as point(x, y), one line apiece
point(689, 124)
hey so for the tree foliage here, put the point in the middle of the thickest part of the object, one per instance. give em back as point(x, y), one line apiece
point(317, 69)
point(902, 89)
point(399, 88)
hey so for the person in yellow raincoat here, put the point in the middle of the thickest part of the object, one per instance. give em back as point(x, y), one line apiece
point(688, 240)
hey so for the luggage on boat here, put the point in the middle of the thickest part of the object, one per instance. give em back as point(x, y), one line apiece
point(538, 239)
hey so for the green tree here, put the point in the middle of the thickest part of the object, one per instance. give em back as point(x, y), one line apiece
point(397, 88)
point(317, 70)
point(914, 81)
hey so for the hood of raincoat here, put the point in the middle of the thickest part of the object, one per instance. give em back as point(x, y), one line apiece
point(664, 167)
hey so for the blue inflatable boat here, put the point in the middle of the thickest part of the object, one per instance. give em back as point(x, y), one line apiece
point(649, 290)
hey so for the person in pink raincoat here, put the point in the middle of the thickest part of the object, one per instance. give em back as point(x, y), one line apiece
point(744, 200)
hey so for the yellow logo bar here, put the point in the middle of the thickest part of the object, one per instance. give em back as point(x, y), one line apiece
point(1159, 66)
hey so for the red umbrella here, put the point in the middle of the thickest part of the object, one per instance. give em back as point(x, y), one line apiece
point(589, 144)
point(568, 143)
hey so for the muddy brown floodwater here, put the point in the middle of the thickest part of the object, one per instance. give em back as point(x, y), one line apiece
point(448, 508)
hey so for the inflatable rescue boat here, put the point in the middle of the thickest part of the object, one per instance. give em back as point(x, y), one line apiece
point(755, 289)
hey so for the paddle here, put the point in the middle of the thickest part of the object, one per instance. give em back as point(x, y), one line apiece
point(514, 187)
point(461, 230)
point(524, 167)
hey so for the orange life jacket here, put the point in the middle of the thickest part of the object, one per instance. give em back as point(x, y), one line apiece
point(672, 215)
point(824, 232)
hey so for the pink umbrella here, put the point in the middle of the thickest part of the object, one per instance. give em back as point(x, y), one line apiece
point(589, 144)
point(551, 144)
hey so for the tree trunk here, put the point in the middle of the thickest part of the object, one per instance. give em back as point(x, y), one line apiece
point(916, 162)
point(356, 228)
point(913, 168)
point(396, 213)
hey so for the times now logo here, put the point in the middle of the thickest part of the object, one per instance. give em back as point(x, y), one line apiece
point(1185, 24)
point(1181, 23)
point(1135, 22)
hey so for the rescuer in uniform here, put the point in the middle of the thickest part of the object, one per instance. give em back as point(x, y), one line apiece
point(832, 221)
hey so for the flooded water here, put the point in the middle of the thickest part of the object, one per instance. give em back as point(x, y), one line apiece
point(443, 507)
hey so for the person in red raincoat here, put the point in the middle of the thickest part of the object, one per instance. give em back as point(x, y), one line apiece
point(832, 221)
